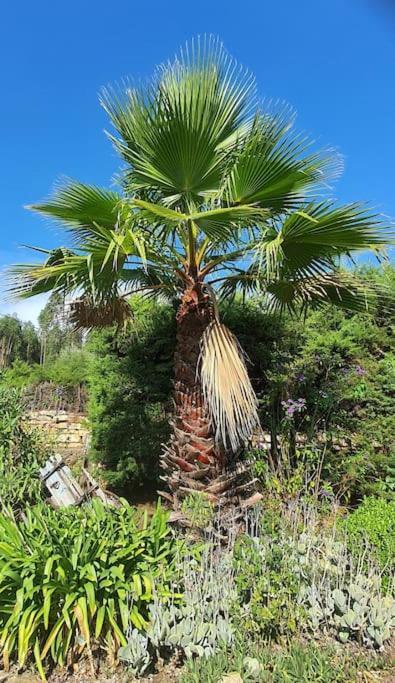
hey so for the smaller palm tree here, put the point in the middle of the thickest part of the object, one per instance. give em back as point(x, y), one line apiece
point(218, 194)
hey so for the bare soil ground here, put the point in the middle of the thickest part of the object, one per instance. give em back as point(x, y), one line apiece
point(169, 674)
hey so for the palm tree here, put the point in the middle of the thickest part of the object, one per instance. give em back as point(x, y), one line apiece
point(217, 194)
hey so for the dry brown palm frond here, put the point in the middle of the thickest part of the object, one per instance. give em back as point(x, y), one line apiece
point(85, 313)
point(227, 389)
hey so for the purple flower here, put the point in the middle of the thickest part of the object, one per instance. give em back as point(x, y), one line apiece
point(360, 371)
point(291, 406)
point(301, 377)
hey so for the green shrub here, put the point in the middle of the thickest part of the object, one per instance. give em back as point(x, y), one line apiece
point(267, 581)
point(198, 510)
point(68, 369)
point(22, 451)
point(129, 391)
point(373, 524)
point(75, 579)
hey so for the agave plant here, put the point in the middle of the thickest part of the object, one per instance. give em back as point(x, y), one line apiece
point(217, 194)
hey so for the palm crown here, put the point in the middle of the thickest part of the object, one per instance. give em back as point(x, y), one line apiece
point(215, 188)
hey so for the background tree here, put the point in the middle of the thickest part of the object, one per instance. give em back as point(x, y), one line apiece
point(218, 194)
point(18, 341)
point(56, 332)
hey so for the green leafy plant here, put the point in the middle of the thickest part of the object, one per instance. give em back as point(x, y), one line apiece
point(198, 509)
point(300, 663)
point(135, 654)
point(200, 622)
point(267, 585)
point(75, 579)
point(341, 592)
point(22, 451)
point(372, 525)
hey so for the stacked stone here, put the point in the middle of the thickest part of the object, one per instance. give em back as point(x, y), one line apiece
point(69, 431)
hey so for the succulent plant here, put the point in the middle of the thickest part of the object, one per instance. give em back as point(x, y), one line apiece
point(189, 627)
point(357, 608)
point(135, 654)
point(202, 622)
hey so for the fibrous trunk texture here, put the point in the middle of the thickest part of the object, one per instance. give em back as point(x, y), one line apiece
point(192, 461)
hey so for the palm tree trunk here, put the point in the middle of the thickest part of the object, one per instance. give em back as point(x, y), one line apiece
point(192, 461)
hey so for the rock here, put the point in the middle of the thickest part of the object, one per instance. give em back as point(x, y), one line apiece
point(253, 667)
point(61, 418)
point(233, 677)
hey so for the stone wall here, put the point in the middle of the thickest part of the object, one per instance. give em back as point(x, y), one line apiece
point(69, 431)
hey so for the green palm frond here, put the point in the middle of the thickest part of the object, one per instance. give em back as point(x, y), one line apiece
point(225, 223)
point(67, 272)
point(247, 281)
point(217, 224)
point(153, 280)
point(158, 213)
point(25, 280)
point(77, 205)
point(311, 240)
point(273, 167)
point(176, 132)
point(341, 289)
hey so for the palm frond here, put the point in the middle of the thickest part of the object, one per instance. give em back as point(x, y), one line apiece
point(25, 280)
point(274, 167)
point(227, 389)
point(78, 205)
point(154, 281)
point(342, 289)
point(310, 241)
point(225, 223)
point(158, 213)
point(175, 132)
point(64, 271)
point(217, 224)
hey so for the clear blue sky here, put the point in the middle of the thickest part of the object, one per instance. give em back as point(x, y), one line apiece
point(333, 60)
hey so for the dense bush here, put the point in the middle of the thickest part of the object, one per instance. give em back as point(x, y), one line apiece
point(22, 451)
point(372, 526)
point(268, 587)
point(129, 389)
point(75, 579)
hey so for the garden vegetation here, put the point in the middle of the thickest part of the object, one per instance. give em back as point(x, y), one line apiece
point(216, 240)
